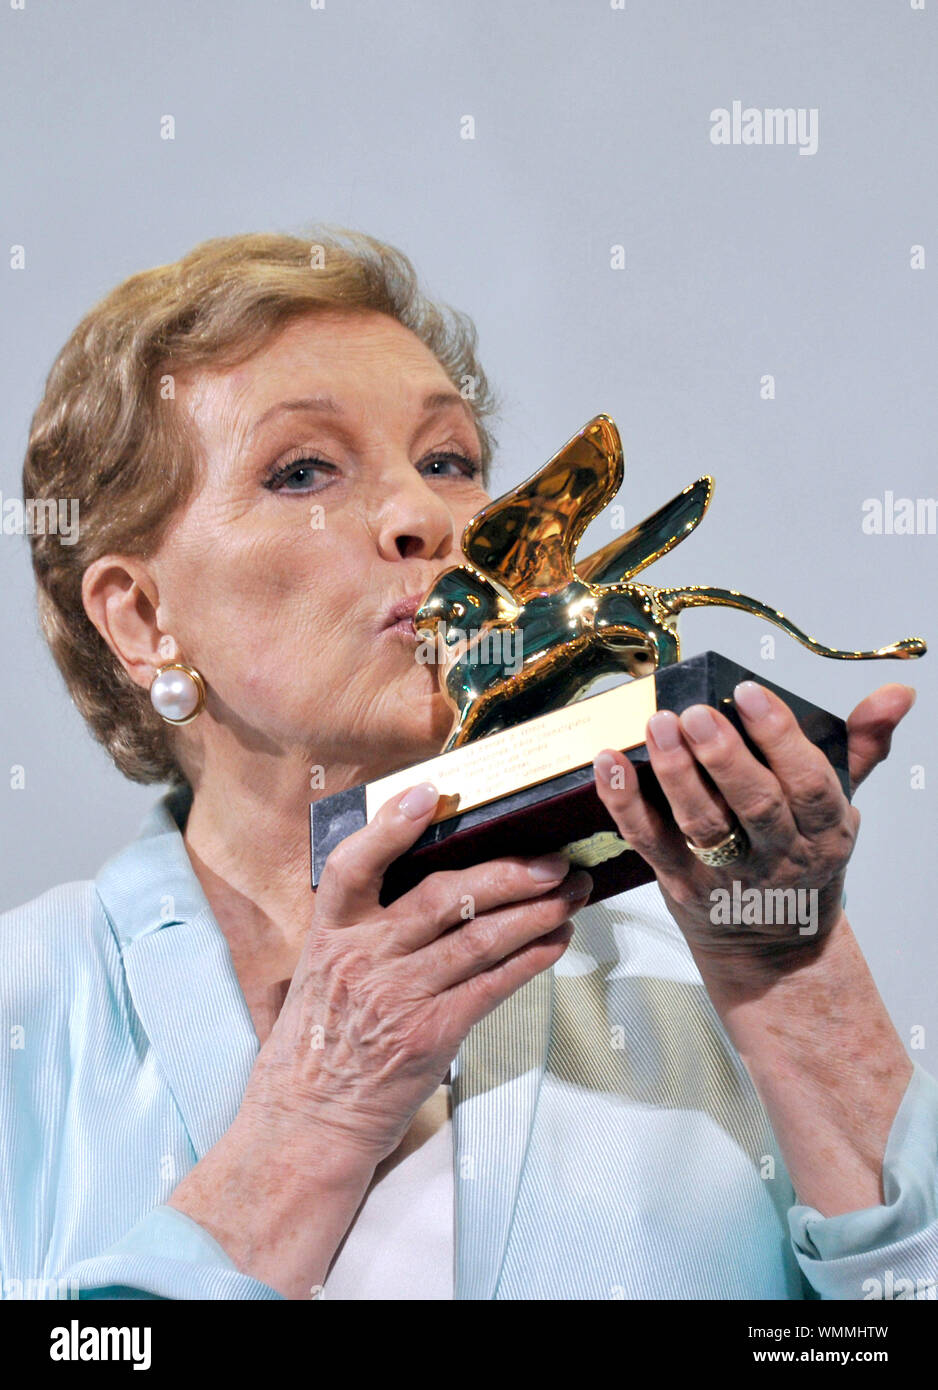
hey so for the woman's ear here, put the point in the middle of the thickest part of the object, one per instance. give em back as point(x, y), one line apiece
point(121, 600)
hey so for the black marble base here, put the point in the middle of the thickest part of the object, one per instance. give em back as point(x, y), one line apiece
point(548, 816)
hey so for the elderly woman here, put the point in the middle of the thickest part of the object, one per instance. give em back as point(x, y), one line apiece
point(224, 1088)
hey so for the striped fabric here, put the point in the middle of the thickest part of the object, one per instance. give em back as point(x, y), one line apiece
point(608, 1142)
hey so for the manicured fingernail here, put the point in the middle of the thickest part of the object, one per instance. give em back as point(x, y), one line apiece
point(698, 722)
point(578, 885)
point(751, 699)
point(665, 729)
point(417, 801)
point(550, 869)
point(603, 764)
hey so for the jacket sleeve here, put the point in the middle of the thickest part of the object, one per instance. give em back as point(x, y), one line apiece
point(62, 1201)
point(890, 1251)
point(166, 1255)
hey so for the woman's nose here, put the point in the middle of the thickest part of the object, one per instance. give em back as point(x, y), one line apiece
point(414, 520)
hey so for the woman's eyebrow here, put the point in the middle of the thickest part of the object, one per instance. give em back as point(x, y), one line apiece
point(432, 404)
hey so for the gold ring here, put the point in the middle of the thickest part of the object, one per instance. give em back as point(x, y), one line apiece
point(715, 856)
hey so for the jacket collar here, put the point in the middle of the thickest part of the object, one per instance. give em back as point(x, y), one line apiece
point(150, 884)
point(189, 1000)
point(180, 973)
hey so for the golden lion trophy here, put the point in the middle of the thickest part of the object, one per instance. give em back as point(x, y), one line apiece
point(519, 631)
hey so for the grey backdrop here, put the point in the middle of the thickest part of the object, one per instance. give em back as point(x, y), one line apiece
point(592, 130)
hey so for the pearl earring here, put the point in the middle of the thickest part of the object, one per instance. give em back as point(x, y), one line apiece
point(177, 693)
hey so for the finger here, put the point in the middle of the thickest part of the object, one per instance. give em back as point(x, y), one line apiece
point(639, 823)
point(450, 896)
point(809, 783)
point(469, 1001)
point(353, 871)
point(751, 791)
point(483, 941)
point(871, 726)
point(699, 810)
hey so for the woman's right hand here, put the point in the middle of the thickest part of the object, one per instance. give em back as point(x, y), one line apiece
point(378, 1005)
point(382, 997)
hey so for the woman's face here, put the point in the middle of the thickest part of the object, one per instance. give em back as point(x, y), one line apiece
point(314, 517)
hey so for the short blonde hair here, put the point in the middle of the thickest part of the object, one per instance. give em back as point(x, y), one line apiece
point(102, 433)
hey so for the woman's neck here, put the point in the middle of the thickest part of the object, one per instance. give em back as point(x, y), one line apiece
point(249, 848)
point(247, 835)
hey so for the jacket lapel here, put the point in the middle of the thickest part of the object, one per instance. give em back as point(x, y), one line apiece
point(190, 1003)
point(496, 1079)
point(179, 971)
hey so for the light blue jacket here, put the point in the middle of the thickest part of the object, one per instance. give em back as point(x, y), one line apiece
point(608, 1141)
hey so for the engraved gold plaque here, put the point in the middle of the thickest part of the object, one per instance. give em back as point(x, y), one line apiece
point(541, 748)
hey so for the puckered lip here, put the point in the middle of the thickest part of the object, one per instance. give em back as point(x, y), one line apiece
point(404, 608)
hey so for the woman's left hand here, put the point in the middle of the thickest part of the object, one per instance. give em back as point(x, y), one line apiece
point(799, 828)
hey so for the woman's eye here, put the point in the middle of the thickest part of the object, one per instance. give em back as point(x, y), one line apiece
point(461, 462)
point(310, 474)
point(298, 475)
